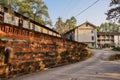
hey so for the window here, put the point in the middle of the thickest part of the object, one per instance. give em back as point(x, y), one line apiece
point(29, 24)
point(92, 31)
point(5, 9)
point(1, 16)
point(20, 22)
point(47, 31)
point(92, 37)
point(87, 25)
point(92, 44)
point(27, 33)
point(33, 27)
point(13, 18)
point(41, 29)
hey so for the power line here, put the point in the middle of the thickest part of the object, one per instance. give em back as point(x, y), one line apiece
point(72, 7)
point(87, 8)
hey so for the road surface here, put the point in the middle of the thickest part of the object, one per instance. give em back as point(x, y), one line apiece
point(95, 68)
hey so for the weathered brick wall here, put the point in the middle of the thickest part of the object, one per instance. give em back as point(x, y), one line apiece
point(33, 51)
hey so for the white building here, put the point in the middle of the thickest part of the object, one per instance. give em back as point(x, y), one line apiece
point(85, 33)
point(117, 40)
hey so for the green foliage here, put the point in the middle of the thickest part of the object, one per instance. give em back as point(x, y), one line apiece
point(34, 9)
point(3, 2)
point(116, 49)
point(63, 27)
point(11, 4)
point(98, 29)
point(109, 27)
point(71, 23)
point(114, 12)
point(59, 26)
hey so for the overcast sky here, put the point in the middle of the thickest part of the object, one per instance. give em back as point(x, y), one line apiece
point(67, 8)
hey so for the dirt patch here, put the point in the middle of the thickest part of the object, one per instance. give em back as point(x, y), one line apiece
point(114, 57)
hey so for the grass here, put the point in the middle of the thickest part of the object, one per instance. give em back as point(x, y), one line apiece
point(116, 49)
point(95, 48)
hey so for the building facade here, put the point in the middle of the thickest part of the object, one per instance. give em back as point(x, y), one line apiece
point(108, 39)
point(16, 19)
point(85, 33)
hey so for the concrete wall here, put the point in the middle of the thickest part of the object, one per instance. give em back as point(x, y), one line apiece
point(11, 18)
point(117, 40)
point(85, 33)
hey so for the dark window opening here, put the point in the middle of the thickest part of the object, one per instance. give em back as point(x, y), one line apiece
point(92, 37)
point(92, 44)
point(29, 24)
point(92, 31)
point(13, 18)
point(5, 9)
point(1, 16)
point(86, 25)
point(20, 22)
point(33, 27)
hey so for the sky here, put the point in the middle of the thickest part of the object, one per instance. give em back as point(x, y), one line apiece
point(68, 8)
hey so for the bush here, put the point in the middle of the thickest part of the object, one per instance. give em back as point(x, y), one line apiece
point(116, 49)
point(115, 57)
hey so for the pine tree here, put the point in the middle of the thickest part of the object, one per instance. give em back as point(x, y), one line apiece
point(34, 9)
point(114, 12)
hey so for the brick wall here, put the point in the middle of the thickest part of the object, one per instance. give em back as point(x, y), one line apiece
point(33, 50)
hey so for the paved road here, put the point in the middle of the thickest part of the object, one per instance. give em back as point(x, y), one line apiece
point(94, 68)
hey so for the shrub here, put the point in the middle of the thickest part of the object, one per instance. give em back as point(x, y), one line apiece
point(114, 57)
point(116, 49)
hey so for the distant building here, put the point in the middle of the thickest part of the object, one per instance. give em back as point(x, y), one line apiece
point(108, 39)
point(85, 33)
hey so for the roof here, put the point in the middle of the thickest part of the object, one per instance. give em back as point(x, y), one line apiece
point(94, 26)
point(108, 33)
point(36, 22)
point(80, 26)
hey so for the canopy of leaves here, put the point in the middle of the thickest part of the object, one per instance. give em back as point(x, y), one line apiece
point(34, 9)
point(114, 12)
point(109, 27)
point(71, 22)
point(59, 26)
point(63, 27)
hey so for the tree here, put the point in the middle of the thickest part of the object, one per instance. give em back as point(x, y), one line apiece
point(34, 9)
point(59, 26)
point(71, 23)
point(11, 4)
point(109, 27)
point(3, 2)
point(104, 27)
point(25, 8)
point(114, 12)
point(63, 27)
point(98, 29)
